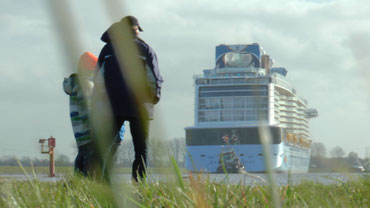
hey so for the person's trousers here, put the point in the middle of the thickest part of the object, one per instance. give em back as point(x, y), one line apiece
point(139, 132)
point(86, 160)
point(83, 158)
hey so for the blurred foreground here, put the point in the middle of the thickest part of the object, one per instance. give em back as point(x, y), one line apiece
point(193, 191)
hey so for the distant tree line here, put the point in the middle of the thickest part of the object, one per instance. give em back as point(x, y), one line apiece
point(159, 154)
point(338, 160)
point(61, 160)
point(160, 151)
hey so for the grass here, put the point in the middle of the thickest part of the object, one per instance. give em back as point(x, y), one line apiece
point(68, 170)
point(38, 170)
point(195, 191)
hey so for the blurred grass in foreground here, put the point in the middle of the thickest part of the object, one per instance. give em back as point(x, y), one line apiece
point(65, 170)
point(38, 170)
point(195, 191)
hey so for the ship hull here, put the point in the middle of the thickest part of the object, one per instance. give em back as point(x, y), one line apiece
point(284, 157)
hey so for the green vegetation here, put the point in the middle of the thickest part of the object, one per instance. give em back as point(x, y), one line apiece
point(195, 191)
point(38, 170)
point(176, 191)
point(68, 170)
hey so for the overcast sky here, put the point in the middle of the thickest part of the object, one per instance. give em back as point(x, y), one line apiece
point(324, 45)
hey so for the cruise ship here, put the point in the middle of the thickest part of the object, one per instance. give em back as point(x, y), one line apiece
point(233, 101)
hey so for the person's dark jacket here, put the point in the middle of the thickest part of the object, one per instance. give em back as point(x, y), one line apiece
point(121, 97)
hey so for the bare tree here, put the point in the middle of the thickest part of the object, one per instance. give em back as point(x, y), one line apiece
point(62, 160)
point(318, 149)
point(337, 152)
point(125, 154)
point(177, 149)
point(159, 152)
point(352, 157)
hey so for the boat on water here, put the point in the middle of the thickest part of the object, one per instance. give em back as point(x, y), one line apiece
point(237, 101)
point(229, 161)
point(356, 166)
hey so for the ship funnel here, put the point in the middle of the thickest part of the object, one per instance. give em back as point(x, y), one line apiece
point(265, 63)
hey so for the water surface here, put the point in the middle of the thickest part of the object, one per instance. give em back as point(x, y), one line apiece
point(249, 179)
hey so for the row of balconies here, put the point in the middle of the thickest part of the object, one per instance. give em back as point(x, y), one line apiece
point(295, 126)
point(296, 129)
point(287, 103)
point(292, 124)
point(298, 132)
point(297, 115)
point(231, 80)
point(290, 118)
point(294, 98)
point(292, 121)
point(290, 110)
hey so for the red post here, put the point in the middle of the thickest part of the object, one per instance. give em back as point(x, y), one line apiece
point(50, 151)
point(51, 144)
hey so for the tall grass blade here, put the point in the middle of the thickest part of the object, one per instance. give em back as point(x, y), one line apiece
point(178, 173)
point(35, 187)
point(33, 170)
point(266, 146)
point(25, 173)
point(253, 176)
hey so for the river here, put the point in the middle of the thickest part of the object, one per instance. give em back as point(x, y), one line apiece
point(247, 179)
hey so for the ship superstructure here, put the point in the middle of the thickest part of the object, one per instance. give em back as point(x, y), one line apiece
point(242, 93)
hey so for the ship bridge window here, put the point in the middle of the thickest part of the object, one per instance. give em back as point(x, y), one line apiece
point(221, 81)
point(232, 88)
point(226, 115)
point(238, 102)
point(232, 115)
point(238, 115)
point(227, 103)
point(209, 103)
point(222, 136)
point(201, 81)
point(209, 116)
point(255, 105)
point(235, 93)
point(256, 99)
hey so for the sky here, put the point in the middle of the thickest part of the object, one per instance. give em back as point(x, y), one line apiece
point(324, 45)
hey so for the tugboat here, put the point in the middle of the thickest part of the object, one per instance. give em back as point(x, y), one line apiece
point(357, 167)
point(228, 159)
point(230, 163)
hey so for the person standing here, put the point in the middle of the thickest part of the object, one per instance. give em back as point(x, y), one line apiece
point(130, 80)
point(79, 88)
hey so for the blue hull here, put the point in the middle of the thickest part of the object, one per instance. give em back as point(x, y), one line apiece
point(285, 157)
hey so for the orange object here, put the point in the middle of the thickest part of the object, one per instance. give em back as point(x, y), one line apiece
point(87, 62)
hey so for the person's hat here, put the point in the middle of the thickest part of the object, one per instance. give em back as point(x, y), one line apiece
point(131, 20)
point(87, 62)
